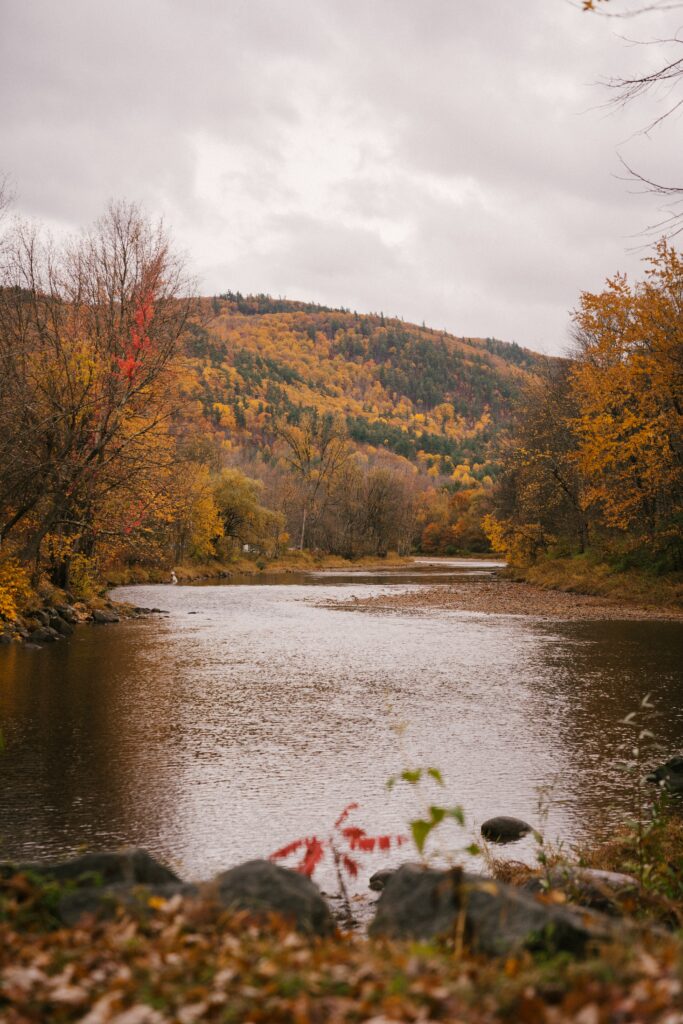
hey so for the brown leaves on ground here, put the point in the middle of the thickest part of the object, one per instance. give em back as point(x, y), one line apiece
point(182, 964)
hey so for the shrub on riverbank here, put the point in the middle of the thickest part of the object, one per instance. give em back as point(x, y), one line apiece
point(656, 853)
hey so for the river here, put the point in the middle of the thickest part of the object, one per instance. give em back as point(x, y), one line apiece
point(254, 711)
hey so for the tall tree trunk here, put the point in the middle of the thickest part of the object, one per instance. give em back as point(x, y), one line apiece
point(303, 529)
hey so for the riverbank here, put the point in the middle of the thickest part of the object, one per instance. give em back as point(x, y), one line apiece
point(166, 953)
point(583, 574)
point(502, 596)
point(49, 620)
point(291, 562)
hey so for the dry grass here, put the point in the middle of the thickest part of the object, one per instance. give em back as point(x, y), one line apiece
point(662, 848)
point(583, 575)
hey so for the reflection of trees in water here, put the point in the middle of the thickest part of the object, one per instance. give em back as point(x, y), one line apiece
point(76, 768)
point(600, 674)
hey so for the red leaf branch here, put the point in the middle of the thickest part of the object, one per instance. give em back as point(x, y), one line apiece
point(357, 839)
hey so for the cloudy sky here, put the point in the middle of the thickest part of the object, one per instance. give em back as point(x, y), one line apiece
point(441, 160)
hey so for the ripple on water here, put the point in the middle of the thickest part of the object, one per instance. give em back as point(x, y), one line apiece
point(220, 735)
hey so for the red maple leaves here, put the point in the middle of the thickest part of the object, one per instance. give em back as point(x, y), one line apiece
point(139, 343)
point(356, 839)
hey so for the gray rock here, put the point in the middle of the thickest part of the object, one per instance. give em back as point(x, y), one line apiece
point(497, 919)
point(5, 638)
point(378, 881)
point(44, 635)
point(129, 866)
point(589, 887)
point(380, 878)
point(42, 617)
point(264, 887)
point(104, 618)
point(504, 830)
point(103, 902)
point(68, 613)
point(669, 774)
point(63, 627)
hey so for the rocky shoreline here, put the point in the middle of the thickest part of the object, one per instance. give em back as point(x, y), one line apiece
point(416, 902)
point(504, 597)
point(257, 943)
point(53, 622)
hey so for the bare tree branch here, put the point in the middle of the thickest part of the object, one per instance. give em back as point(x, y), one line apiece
point(665, 79)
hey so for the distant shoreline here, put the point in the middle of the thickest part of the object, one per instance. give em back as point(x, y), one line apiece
point(293, 562)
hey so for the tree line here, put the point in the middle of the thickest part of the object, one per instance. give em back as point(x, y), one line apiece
point(596, 460)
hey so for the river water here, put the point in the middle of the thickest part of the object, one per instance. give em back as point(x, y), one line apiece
point(253, 712)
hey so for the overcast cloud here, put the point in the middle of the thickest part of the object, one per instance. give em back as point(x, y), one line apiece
point(442, 160)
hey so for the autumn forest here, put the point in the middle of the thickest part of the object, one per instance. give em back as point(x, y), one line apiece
point(144, 428)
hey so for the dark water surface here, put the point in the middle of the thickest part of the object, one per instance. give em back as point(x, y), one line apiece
point(250, 715)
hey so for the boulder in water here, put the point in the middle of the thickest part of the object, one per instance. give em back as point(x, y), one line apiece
point(669, 775)
point(378, 881)
point(61, 625)
point(504, 830)
point(380, 878)
point(68, 613)
point(104, 618)
point(44, 635)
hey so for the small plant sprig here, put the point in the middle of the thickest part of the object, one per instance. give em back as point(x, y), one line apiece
point(343, 841)
point(635, 766)
point(547, 855)
point(434, 815)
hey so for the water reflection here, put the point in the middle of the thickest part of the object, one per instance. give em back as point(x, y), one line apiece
point(251, 715)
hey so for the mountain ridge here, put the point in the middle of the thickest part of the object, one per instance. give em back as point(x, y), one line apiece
point(431, 397)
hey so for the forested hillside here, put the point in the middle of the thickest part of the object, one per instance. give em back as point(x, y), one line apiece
point(432, 398)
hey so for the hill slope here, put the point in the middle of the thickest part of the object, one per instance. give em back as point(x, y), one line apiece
point(430, 397)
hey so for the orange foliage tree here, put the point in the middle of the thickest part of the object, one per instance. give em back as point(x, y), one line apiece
point(598, 455)
point(628, 387)
point(88, 333)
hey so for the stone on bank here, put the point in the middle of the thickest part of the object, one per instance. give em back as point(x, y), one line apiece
point(495, 918)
